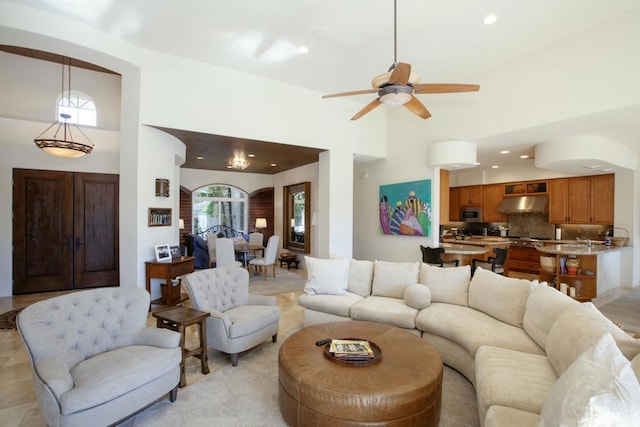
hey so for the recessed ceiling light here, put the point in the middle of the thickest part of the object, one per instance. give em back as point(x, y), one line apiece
point(274, 164)
point(199, 158)
point(495, 167)
point(524, 156)
point(229, 167)
point(303, 49)
point(504, 152)
point(251, 155)
point(490, 19)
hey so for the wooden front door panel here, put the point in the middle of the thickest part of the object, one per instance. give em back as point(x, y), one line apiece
point(96, 230)
point(42, 231)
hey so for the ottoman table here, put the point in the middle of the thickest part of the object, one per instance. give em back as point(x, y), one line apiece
point(403, 388)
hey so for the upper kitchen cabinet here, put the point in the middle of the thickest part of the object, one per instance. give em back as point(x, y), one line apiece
point(492, 196)
point(526, 188)
point(582, 200)
point(454, 204)
point(471, 195)
point(444, 196)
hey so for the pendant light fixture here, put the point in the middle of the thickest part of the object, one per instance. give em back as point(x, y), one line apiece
point(58, 139)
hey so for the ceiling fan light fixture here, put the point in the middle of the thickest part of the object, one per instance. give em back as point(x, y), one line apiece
point(395, 95)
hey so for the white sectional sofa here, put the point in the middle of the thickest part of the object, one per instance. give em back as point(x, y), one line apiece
point(534, 355)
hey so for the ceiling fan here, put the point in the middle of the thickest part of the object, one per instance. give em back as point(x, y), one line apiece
point(398, 86)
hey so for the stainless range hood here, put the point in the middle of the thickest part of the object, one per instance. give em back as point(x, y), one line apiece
point(524, 204)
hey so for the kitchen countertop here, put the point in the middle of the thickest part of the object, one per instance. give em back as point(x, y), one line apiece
point(457, 249)
point(479, 241)
point(574, 249)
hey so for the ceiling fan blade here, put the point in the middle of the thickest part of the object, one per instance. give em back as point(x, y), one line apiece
point(370, 106)
point(417, 108)
point(444, 88)
point(355, 92)
point(400, 74)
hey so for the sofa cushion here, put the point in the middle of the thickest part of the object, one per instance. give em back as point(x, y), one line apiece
point(635, 365)
point(327, 276)
point(391, 278)
point(361, 277)
point(471, 328)
point(340, 305)
point(578, 328)
point(503, 298)
point(417, 296)
point(544, 306)
point(512, 378)
point(391, 311)
point(501, 416)
point(448, 285)
point(599, 388)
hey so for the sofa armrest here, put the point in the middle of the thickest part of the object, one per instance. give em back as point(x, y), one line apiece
point(261, 300)
point(157, 337)
point(55, 374)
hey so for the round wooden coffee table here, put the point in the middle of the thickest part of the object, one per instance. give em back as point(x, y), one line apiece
point(403, 389)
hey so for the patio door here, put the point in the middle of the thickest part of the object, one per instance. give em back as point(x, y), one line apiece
point(65, 230)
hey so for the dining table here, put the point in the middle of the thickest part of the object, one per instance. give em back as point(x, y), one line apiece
point(245, 249)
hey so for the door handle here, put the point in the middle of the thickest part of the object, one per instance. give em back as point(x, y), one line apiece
point(78, 243)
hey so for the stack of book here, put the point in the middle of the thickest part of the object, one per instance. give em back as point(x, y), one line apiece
point(351, 350)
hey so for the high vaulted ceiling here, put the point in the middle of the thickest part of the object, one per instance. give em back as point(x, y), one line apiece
point(349, 42)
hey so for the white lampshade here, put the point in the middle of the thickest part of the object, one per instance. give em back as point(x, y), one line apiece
point(181, 224)
point(453, 154)
point(261, 222)
point(293, 222)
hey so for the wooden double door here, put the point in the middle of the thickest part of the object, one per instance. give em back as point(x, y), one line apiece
point(65, 230)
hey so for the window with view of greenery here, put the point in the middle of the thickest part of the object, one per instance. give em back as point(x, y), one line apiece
point(220, 205)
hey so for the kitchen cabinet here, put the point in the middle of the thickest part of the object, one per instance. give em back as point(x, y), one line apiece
point(589, 289)
point(471, 195)
point(523, 259)
point(454, 204)
point(582, 200)
point(444, 196)
point(491, 198)
point(525, 188)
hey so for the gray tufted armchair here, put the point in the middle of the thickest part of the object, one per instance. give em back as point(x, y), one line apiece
point(239, 321)
point(94, 360)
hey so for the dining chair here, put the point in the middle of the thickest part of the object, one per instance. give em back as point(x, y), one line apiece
point(225, 253)
point(262, 263)
point(495, 263)
point(211, 245)
point(256, 239)
point(433, 256)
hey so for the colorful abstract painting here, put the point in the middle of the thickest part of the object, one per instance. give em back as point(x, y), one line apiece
point(405, 208)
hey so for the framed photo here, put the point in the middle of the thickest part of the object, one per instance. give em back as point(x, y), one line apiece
point(175, 252)
point(163, 253)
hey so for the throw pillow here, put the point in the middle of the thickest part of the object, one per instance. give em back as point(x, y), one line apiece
point(390, 279)
point(417, 296)
point(598, 389)
point(327, 276)
point(448, 285)
point(503, 298)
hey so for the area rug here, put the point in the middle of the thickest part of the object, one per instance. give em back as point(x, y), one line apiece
point(247, 396)
point(286, 281)
point(8, 319)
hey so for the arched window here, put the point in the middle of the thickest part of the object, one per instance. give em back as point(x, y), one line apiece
point(220, 204)
point(79, 106)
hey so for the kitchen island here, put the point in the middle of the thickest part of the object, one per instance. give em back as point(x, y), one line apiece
point(598, 268)
point(463, 253)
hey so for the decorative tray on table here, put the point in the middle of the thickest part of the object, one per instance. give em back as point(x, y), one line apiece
point(355, 352)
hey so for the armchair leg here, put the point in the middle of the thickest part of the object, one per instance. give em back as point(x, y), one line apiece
point(274, 338)
point(173, 394)
point(234, 359)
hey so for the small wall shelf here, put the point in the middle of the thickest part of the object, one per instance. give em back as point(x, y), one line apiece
point(159, 217)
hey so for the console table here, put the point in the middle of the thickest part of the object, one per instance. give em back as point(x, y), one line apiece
point(168, 271)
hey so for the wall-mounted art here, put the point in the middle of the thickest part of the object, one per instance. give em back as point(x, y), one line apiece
point(405, 208)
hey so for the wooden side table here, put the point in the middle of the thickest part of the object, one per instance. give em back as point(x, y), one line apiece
point(168, 271)
point(288, 258)
point(178, 319)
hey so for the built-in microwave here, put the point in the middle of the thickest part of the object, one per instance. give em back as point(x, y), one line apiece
point(471, 214)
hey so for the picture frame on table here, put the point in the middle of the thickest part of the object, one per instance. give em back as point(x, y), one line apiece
point(175, 252)
point(163, 253)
